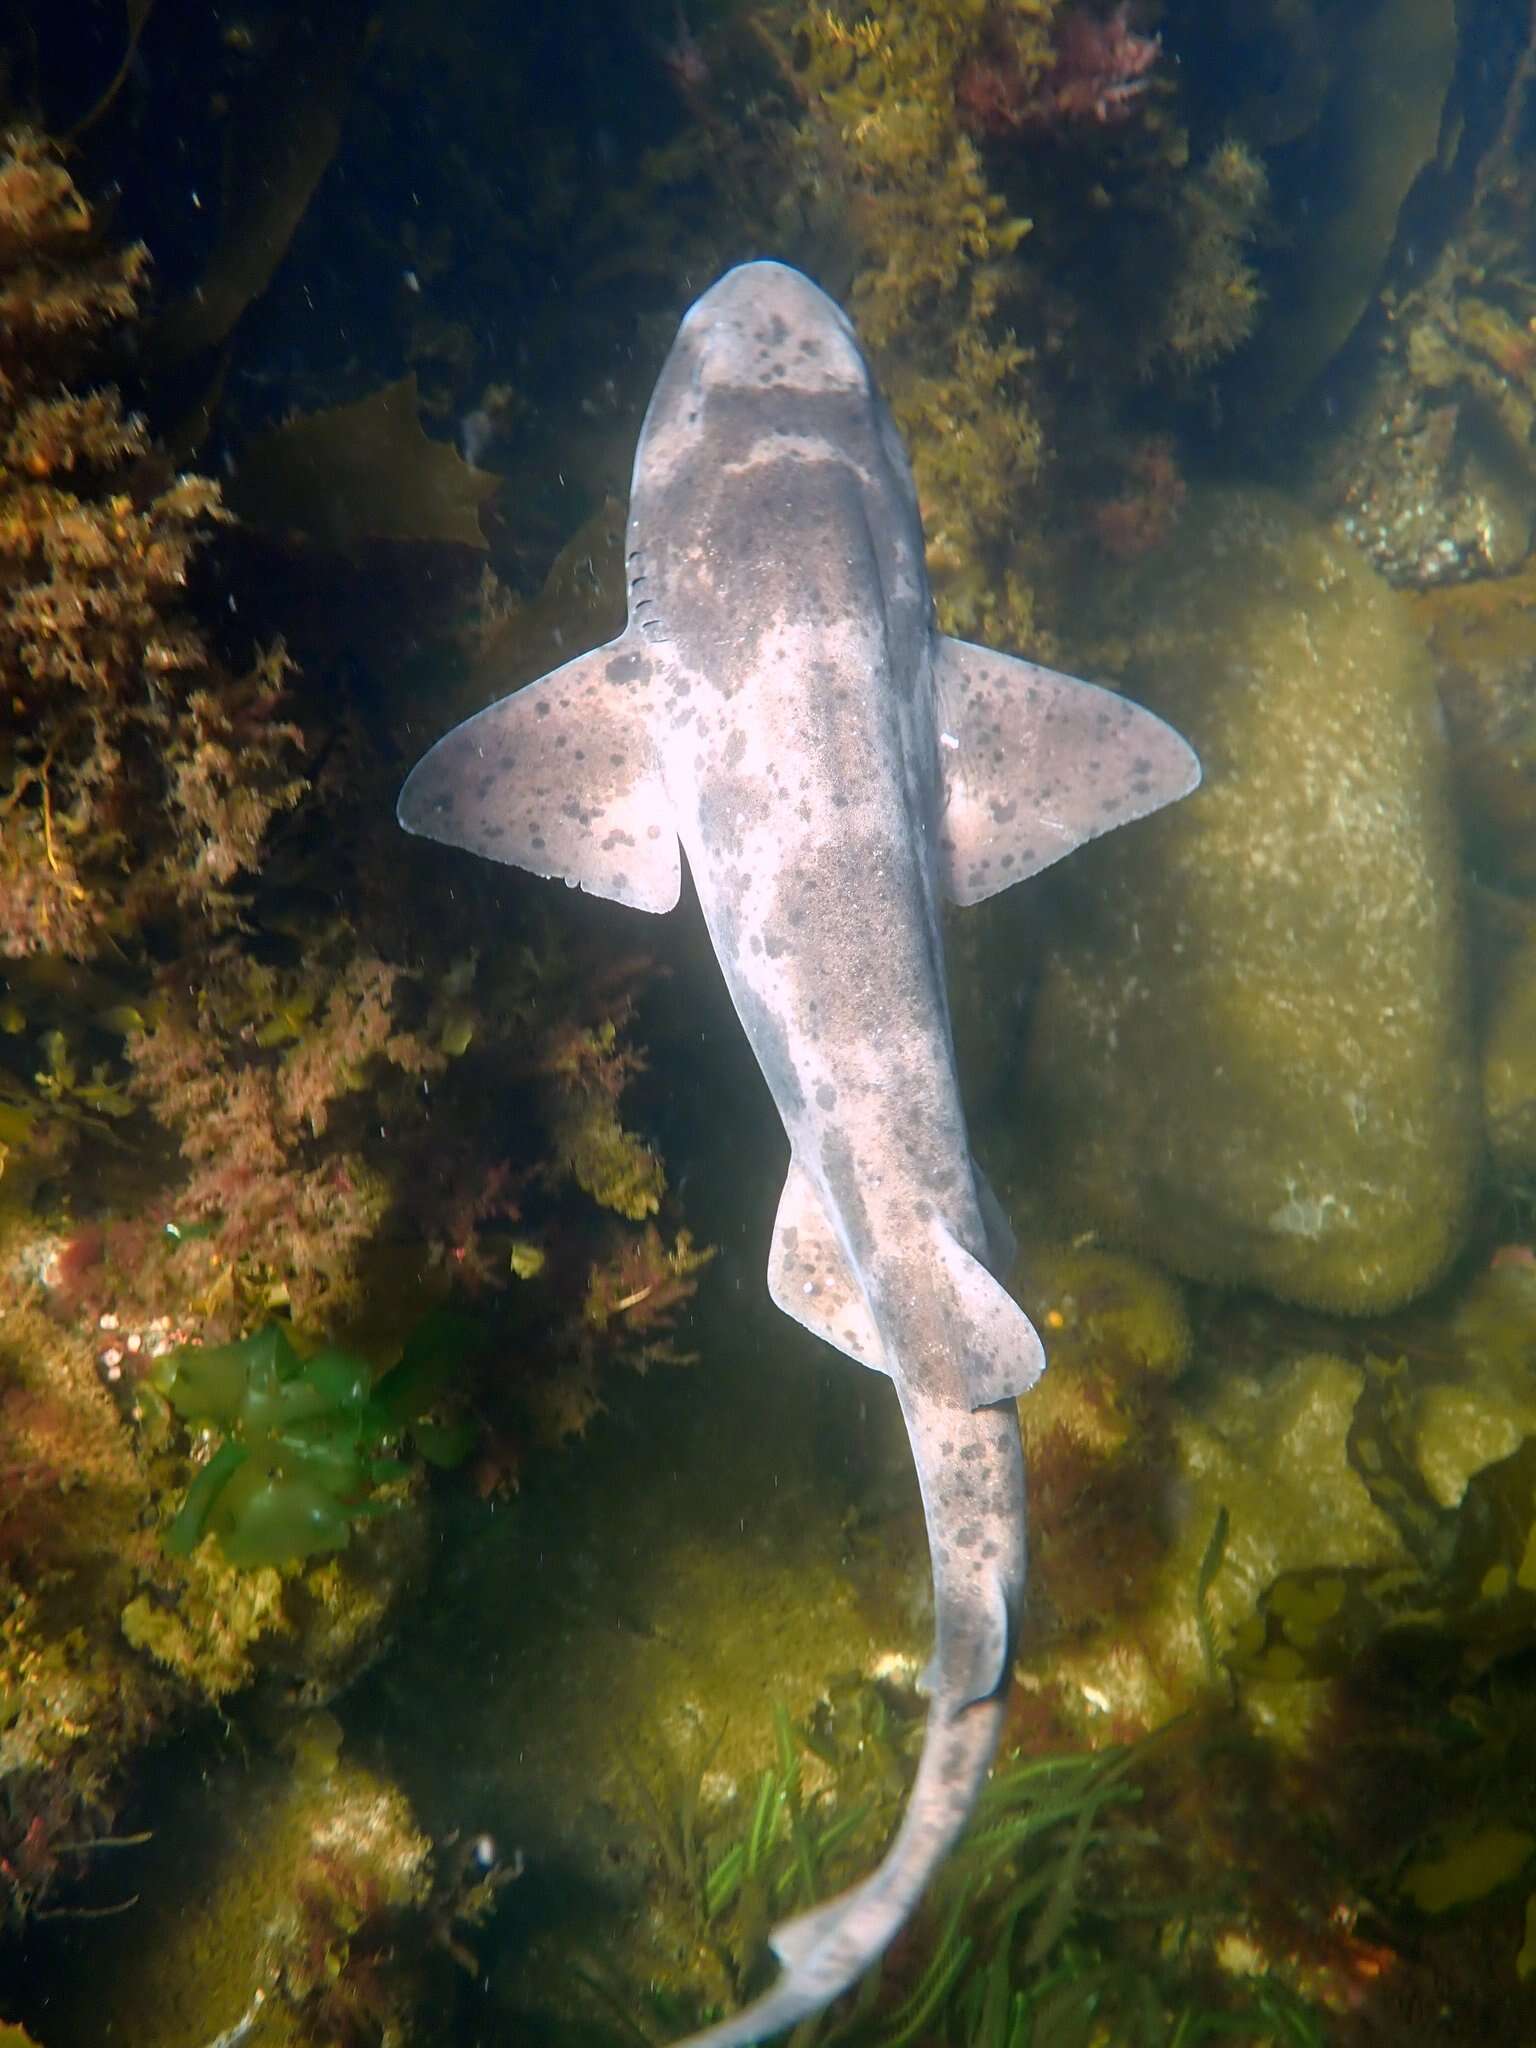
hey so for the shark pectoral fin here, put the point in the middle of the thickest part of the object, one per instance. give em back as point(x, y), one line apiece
point(560, 778)
point(1001, 1355)
point(1037, 763)
point(1002, 1245)
point(808, 1274)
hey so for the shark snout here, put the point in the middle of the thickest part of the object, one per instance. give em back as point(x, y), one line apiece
point(766, 326)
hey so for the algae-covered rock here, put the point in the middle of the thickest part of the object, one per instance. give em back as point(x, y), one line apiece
point(1111, 1325)
point(1260, 1485)
point(1463, 1424)
point(295, 1896)
point(1509, 1064)
point(1251, 1054)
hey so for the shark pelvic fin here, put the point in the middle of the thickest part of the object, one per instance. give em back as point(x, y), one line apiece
point(560, 778)
point(1001, 1354)
point(1037, 763)
point(809, 1276)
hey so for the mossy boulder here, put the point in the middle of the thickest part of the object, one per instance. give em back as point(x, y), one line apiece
point(1250, 1055)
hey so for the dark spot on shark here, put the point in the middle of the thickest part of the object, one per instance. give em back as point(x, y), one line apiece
point(541, 709)
point(826, 1095)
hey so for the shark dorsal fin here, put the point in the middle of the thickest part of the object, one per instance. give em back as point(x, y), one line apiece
point(561, 779)
point(1037, 763)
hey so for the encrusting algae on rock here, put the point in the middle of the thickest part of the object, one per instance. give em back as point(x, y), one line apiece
point(1285, 953)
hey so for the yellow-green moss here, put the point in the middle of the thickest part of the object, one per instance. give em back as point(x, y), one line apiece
point(1212, 300)
point(934, 242)
point(1109, 1324)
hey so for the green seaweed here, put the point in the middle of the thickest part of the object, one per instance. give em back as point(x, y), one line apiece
point(306, 1440)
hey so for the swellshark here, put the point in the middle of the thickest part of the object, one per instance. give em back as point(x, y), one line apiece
point(782, 708)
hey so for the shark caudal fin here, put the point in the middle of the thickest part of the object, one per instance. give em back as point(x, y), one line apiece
point(562, 779)
point(1037, 763)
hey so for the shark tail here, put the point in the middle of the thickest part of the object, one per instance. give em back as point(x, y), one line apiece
point(978, 1560)
point(827, 1950)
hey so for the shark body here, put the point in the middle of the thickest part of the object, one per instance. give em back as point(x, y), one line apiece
point(782, 708)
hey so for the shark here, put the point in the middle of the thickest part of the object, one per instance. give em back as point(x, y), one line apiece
point(783, 709)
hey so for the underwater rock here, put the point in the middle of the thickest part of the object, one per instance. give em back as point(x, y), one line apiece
point(1463, 1424)
point(1377, 131)
point(1113, 1326)
point(1250, 1053)
point(1509, 1066)
point(1483, 638)
point(1259, 1484)
point(302, 1883)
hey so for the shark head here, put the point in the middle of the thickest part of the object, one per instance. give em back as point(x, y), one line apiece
point(763, 347)
point(765, 327)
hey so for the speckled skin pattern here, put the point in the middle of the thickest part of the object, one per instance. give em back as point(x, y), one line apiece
point(782, 706)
